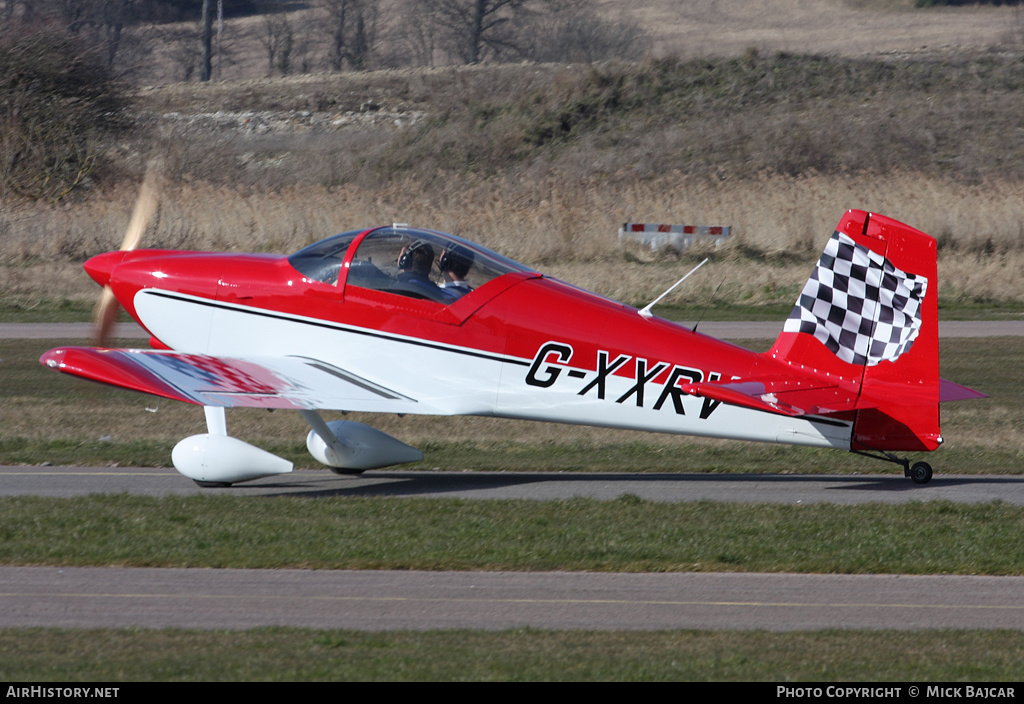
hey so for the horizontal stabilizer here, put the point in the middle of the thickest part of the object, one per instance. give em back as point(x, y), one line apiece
point(789, 396)
point(794, 397)
point(952, 391)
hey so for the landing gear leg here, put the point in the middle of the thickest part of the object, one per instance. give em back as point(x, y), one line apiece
point(920, 473)
point(216, 424)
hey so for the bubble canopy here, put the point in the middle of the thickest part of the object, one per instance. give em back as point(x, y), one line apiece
point(408, 261)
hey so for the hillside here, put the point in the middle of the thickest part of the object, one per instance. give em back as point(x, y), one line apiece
point(943, 116)
point(834, 27)
point(544, 162)
point(694, 28)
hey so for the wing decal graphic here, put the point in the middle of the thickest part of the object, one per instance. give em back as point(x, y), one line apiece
point(258, 382)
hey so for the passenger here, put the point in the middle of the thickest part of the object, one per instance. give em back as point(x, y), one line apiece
point(414, 264)
point(454, 264)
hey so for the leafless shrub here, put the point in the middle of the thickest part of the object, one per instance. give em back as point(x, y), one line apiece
point(415, 40)
point(57, 102)
point(278, 41)
point(180, 51)
point(1013, 35)
point(305, 47)
point(572, 31)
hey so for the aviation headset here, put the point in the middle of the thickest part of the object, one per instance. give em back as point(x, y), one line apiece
point(416, 251)
point(455, 259)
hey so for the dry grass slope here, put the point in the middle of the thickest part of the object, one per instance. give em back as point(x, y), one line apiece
point(842, 27)
point(566, 229)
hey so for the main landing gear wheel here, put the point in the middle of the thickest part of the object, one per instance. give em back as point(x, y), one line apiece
point(921, 473)
point(346, 472)
point(212, 485)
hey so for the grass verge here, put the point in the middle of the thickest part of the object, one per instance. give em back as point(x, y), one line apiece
point(47, 310)
point(624, 535)
point(281, 654)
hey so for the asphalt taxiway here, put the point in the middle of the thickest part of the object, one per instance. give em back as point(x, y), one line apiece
point(65, 482)
point(93, 597)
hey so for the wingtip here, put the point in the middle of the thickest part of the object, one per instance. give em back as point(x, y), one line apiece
point(54, 359)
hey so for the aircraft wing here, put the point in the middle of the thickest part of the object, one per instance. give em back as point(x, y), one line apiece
point(257, 382)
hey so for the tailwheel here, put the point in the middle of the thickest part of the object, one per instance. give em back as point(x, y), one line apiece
point(921, 473)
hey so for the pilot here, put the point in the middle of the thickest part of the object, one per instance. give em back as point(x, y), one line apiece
point(454, 264)
point(414, 264)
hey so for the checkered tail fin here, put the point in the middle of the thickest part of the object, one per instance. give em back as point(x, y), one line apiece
point(867, 320)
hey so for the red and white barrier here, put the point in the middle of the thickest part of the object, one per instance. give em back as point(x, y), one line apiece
point(657, 236)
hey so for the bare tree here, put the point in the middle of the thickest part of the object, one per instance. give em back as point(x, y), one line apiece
point(99, 21)
point(58, 102)
point(206, 41)
point(352, 27)
point(414, 41)
point(179, 59)
point(275, 34)
point(109, 18)
point(304, 47)
point(337, 19)
point(478, 30)
point(367, 21)
point(474, 31)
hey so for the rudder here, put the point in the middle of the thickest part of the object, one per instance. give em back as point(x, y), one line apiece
point(868, 319)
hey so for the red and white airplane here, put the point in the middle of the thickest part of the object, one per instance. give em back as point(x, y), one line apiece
point(402, 320)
